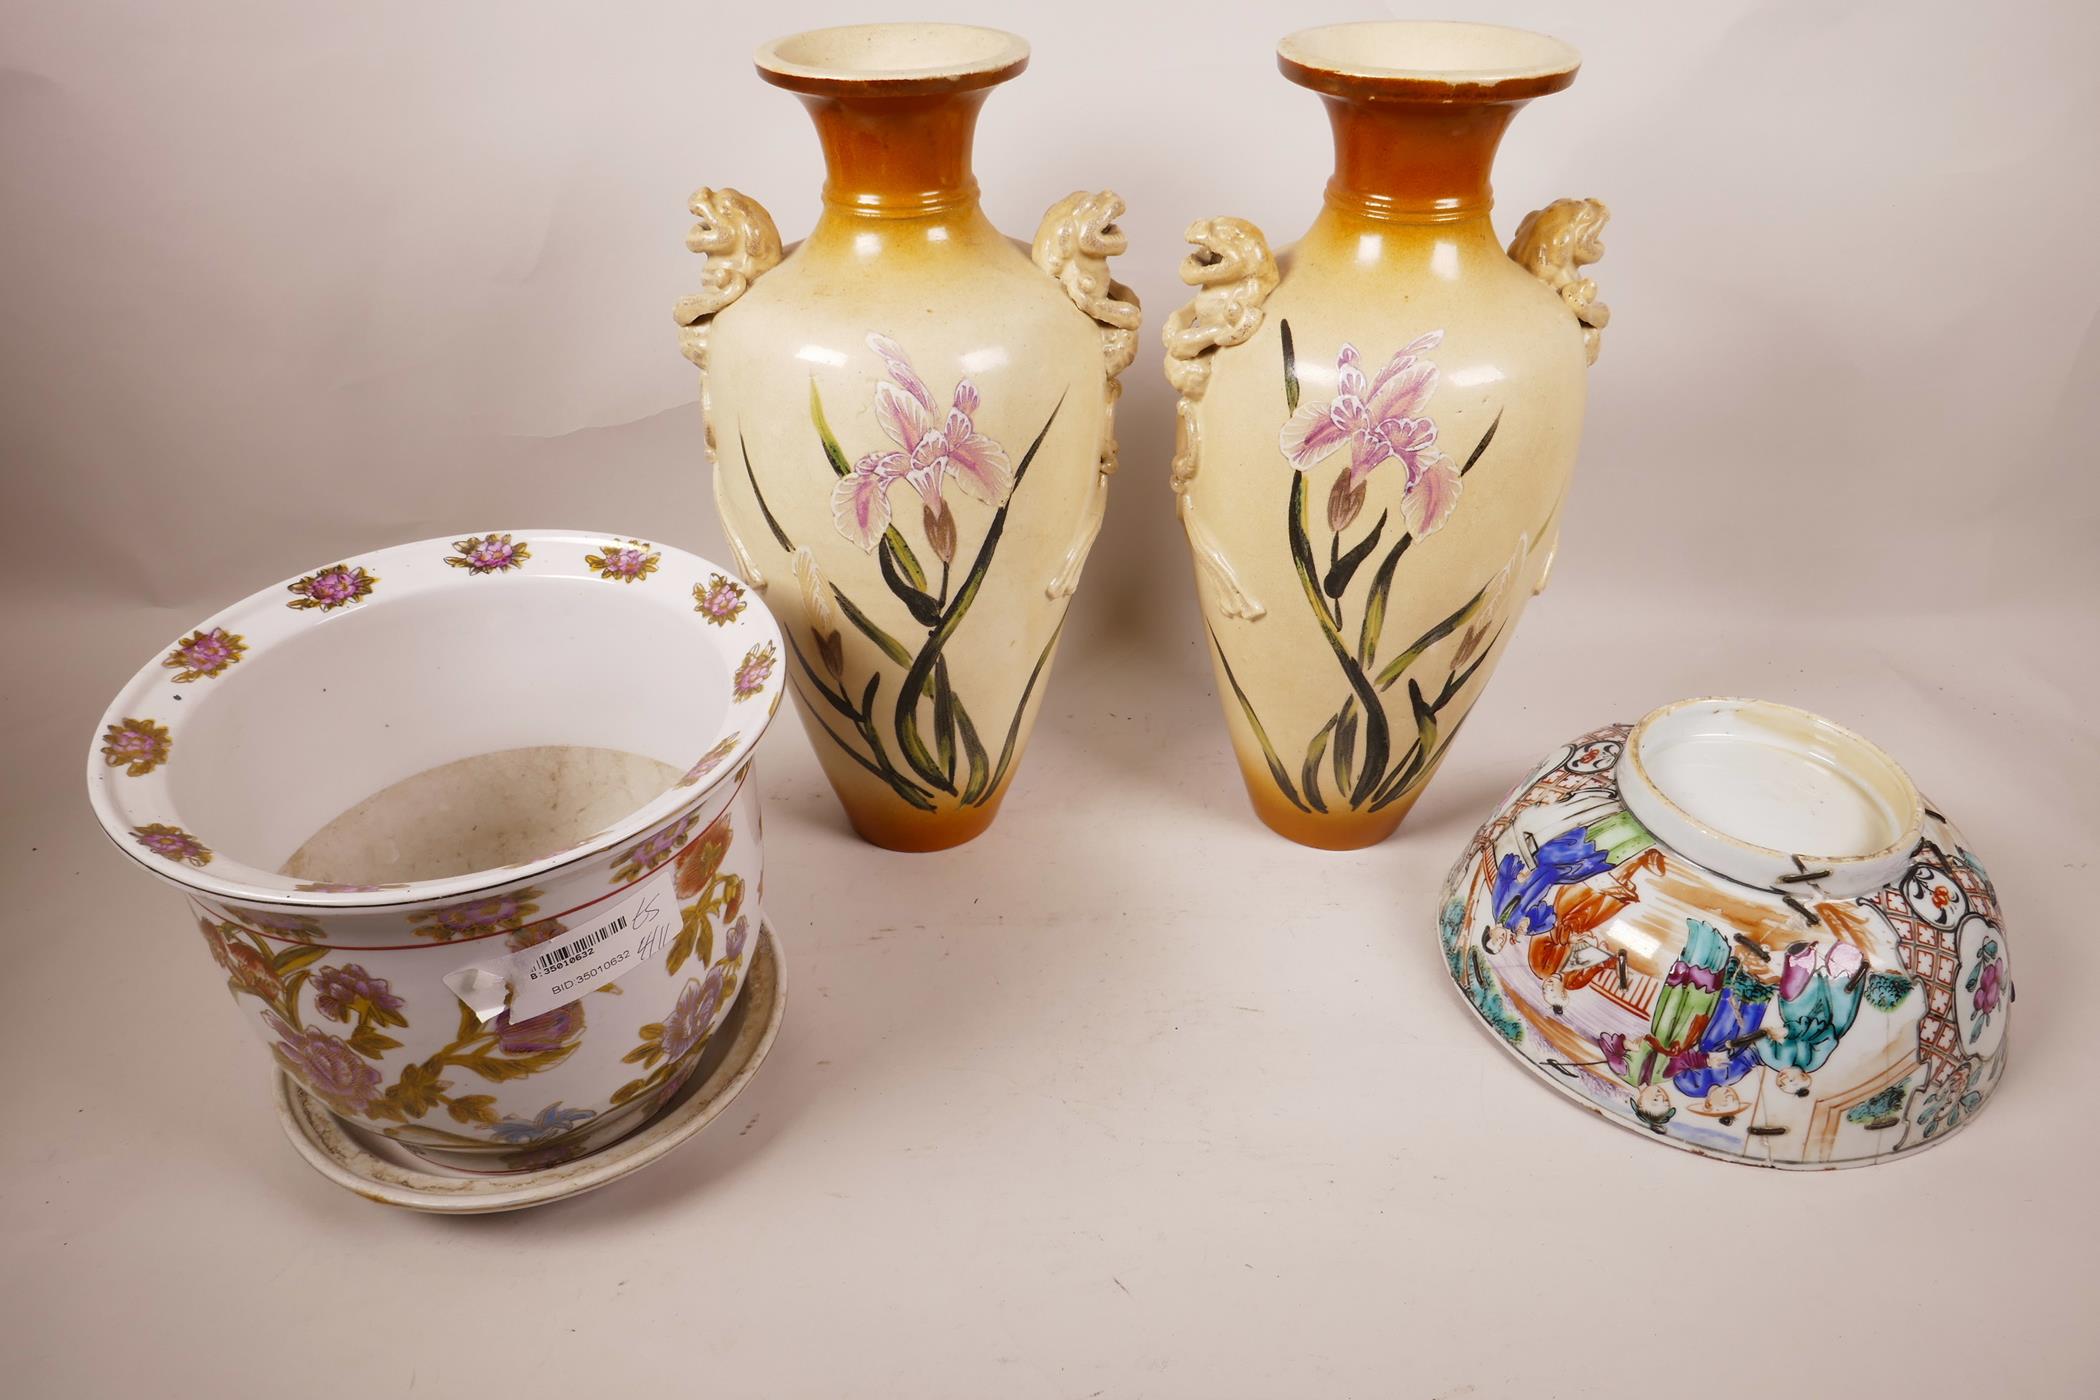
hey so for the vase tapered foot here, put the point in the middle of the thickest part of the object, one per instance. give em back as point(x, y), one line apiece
point(1326, 831)
point(896, 827)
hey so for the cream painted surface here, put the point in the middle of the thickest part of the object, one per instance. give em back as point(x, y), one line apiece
point(1510, 346)
point(964, 302)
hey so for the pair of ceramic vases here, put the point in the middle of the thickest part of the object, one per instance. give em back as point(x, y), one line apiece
point(911, 423)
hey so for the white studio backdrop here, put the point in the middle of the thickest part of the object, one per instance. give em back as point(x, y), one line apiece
point(1127, 1097)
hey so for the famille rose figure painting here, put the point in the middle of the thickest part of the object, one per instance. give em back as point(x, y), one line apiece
point(1778, 1029)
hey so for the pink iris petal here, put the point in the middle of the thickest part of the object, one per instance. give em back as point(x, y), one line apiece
point(1310, 436)
point(979, 464)
point(1402, 387)
point(966, 399)
point(1410, 437)
point(1431, 492)
point(1349, 374)
point(860, 503)
point(926, 480)
point(1366, 450)
point(1423, 343)
point(900, 369)
point(901, 416)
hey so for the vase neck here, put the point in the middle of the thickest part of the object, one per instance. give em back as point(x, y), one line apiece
point(897, 157)
point(1414, 161)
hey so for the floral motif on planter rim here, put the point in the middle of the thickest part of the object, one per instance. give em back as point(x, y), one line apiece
point(498, 913)
point(932, 444)
point(202, 655)
point(1379, 420)
point(624, 563)
point(488, 554)
point(752, 674)
point(172, 843)
point(138, 746)
point(532, 935)
point(336, 586)
point(645, 855)
point(709, 761)
point(720, 600)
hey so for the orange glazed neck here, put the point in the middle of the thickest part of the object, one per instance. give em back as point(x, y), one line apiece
point(1415, 161)
point(897, 156)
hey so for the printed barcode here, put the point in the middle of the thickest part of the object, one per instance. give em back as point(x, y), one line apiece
point(570, 952)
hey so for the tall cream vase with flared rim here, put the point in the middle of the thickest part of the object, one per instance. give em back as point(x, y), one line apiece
point(909, 421)
point(1377, 424)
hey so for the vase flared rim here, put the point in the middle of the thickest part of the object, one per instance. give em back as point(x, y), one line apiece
point(892, 60)
point(1427, 60)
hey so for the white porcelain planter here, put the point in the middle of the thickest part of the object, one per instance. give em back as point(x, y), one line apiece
point(515, 741)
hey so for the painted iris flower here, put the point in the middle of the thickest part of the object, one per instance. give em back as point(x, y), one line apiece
point(1379, 420)
point(202, 655)
point(932, 444)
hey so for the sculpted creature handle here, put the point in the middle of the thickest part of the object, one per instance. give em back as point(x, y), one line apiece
point(1233, 273)
point(1073, 244)
point(738, 238)
point(1554, 244)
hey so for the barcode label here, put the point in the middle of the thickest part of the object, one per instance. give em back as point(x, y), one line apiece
point(570, 952)
point(602, 944)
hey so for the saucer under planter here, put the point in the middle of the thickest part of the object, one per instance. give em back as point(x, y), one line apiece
point(381, 1170)
point(1737, 928)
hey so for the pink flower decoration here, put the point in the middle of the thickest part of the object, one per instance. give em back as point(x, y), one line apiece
point(624, 563)
point(138, 746)
point(709, 761)
point(501, 913)
point(931, 445)
point(751, 676)
point(719, 600)
point(332, 587)
point(1380, 420)
point(172, 842)
point(202, 655)
point(644, 856)
point(690, 1020)
point(488, 554)
point(338, 990)
point(326, 1065)
point(1988, 979)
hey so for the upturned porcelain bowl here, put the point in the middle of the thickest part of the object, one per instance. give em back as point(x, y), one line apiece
point(466, 825)
point(1737, 927)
